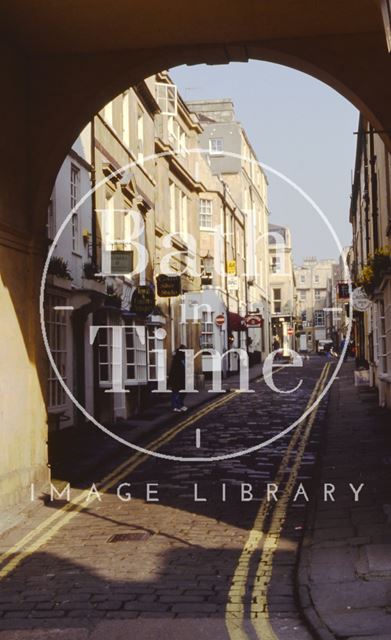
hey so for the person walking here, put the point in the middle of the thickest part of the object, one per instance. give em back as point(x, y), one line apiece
point(177, 380)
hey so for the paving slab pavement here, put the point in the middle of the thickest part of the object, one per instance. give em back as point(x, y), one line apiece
point(345, 568)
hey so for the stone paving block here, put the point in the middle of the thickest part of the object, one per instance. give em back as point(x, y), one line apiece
point(379, 558)
point(357, 594)
point(360, 623)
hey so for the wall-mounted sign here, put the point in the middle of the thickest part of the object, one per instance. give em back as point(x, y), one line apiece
point(168, 286)
point(343, 290)
point(143, 300)
point(361, 302)
point(121, 262)
point(231, 267)
point(220, 319)
point(253, 321)
point(232, 283)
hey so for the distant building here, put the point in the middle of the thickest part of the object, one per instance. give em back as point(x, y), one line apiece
point(315, 301)
point(232, 158)
point(282, 287)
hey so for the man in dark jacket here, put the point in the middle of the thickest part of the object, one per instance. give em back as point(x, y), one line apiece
point(177, 379)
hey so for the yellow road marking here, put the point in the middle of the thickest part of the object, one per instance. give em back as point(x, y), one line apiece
point(259, 603)
point(62, 516)
point(234, 616)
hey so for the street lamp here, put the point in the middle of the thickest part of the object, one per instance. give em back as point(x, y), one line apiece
point(208, 265)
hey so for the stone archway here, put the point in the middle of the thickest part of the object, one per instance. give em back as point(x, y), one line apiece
point(60, 64)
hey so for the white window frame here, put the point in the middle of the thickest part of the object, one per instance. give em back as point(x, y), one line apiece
point(277, 300)
point(276, 266)
point(206, 213)
point(167, 98)
point(207, 338)
point(156, 368)
point(216, 146)
point(319, 318)
point(135, 343)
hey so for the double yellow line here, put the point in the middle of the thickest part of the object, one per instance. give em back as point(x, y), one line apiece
point(39, 536)
point(259, 613)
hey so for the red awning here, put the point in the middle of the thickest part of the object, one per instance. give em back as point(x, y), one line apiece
point(236, 322)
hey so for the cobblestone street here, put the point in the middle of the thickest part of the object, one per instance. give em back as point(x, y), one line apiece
point(200, 549)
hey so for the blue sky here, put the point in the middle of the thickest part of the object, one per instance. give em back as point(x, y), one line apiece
point(300, 127)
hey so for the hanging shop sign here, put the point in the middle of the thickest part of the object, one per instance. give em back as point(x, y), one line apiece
point(168, 286)
point(253, 321)
point(121, 262)
point(143, 300)
point(343, 290)
point(220, 319)
point(361, 302)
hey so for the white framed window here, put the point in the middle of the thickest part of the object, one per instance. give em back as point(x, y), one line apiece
point(104, 356)
point(216, 146)
point(173, 133)
point(319, 318)
point(207, 330)
point(56, 327)
point(302, 278)
point(276, 264)
point(206, 213)
point(156, 369)
point(277, 300)
point(316, 278)
point(167, 98)
point(135, 355)
point(75, 197)
point(182, 142)
point(303, 295)
point(317, 294)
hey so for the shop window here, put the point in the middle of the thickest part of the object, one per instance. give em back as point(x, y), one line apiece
point(207, 329)
point(156, 369)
